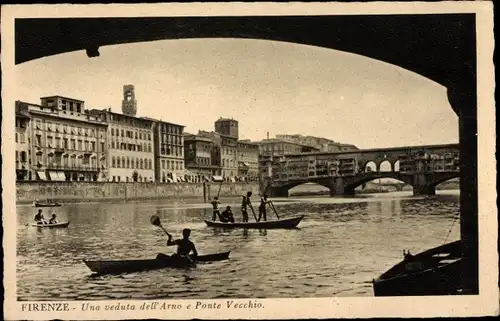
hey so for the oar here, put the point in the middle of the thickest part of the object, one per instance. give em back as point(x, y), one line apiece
point(274, 209)
point(220, 186)
point(255, 216)
point(155, 220)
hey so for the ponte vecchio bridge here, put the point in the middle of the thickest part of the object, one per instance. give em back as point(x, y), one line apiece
point(422, 167)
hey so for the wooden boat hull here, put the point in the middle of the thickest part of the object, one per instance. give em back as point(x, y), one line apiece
point(434, 272)
point(57, 225)
point(47, 205)
point(279, 224)
point(161, 262)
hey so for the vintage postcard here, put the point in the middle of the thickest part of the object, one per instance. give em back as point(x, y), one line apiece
point(249, 161)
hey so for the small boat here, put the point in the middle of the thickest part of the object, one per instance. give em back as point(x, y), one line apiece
point(56, 225)
point(162, 261)
point(288, 223)
point(433, 272)
point(46, 204)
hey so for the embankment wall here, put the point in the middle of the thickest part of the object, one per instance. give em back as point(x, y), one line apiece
point(26, 192)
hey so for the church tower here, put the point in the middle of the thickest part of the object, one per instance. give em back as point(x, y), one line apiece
point(129, 104)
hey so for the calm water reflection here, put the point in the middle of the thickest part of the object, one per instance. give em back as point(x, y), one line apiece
point(340, 246)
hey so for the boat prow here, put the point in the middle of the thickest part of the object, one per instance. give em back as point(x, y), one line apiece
point(56, 225)
point(288, 223)
point(433, 272)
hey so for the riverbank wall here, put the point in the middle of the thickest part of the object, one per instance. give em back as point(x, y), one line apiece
point(26, 192)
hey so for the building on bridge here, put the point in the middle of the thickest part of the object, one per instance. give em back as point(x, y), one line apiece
point(422, 167)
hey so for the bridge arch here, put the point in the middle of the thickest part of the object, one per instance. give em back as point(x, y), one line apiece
point(396, 166)
point(385, 166)
point(443, 178)
point(354, 183)
point(370, 166)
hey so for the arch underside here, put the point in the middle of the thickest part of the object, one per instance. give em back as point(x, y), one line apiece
point(421, 49)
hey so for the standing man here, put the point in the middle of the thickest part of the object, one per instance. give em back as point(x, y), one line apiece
point(262, 208)
point(215, 205)
point(245, 202)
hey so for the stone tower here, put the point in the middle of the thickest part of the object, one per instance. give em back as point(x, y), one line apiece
point(226, 126)
point(129, 104)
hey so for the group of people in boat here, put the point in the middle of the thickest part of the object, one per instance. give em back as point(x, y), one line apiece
point(227, 215)
point(39, 219)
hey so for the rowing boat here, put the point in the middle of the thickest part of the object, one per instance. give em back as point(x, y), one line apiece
point(160, 262)
point(56, 225)
point(433, 272)
point(288, 223)
point(47, 204)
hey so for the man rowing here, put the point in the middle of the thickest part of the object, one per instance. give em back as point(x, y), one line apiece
point(215, 205)
point(262, 208)
point(244, 203)
point(39, 219)
point(184, 246)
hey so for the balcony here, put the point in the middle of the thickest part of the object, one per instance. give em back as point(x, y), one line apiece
point(73, 168)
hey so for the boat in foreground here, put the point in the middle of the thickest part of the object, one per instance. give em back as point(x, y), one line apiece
point(56, 225)
point(433, 272)
point(160, 262)
point(288, 223)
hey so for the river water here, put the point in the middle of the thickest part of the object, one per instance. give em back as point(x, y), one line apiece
point(339, 247)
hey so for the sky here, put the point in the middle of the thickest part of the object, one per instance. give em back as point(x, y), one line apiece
point(268, 86)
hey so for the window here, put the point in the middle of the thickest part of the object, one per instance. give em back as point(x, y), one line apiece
point(123, 162)
point(112, 131)
point(163, 164)
point(93, 146)
point(150, 164)
point(16, 138)
point(78, 108)
point(102, 146)
point(149, 148)
point(112, 144)
point(118, 162)
point(58, 142)
point(128, 162)
point(113, 162)
point(141, 164)
point(49, 141)
point(86, 145)
point(80, 145)
point(73, 144)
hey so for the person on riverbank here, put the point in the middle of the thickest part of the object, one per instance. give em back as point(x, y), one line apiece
point(39, 219)
point(184, 246)
point(227, 215)
point(53, 219)
point(262, 208)
point(244, 206)
point(215, 205)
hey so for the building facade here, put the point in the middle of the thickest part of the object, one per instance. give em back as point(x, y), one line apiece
point(200, 156)
point(277, 147)
point(248, 160)
point(22, 137)
point(169, 152)
point(130, 142)
point(67, 143)
point(320, 143)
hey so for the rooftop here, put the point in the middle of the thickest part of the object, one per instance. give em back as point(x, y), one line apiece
point(57, 96)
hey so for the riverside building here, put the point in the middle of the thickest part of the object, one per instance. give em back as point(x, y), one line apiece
point(67, 143)
point(23, 162)
point(168, 151)
point(201, 155)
